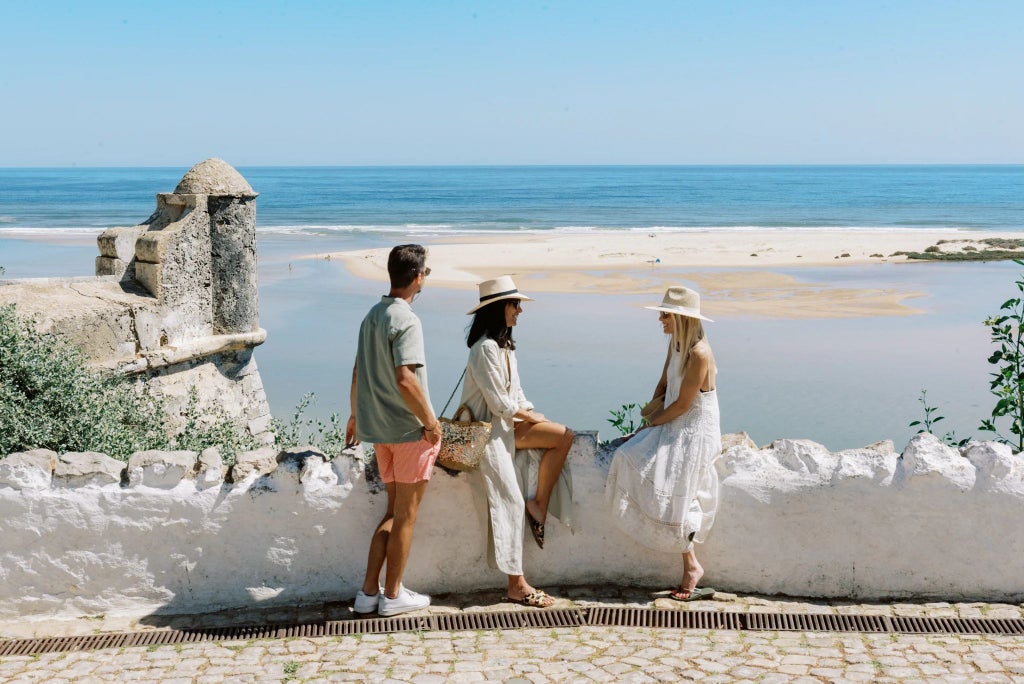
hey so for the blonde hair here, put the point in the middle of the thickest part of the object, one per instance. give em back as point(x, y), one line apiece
point(686, 333)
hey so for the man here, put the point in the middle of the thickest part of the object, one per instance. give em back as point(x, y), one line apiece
point(394, 414)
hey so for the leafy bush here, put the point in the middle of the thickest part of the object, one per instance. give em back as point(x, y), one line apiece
point(622, 418)
point(50, 399)
point(329, 437)
point(1007, 384)
point(1007, 330)
point(214, 427)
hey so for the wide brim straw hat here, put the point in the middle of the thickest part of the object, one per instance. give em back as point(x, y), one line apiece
point(497, 289)
point(681, 301)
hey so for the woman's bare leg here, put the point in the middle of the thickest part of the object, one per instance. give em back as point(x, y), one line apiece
point(556, 440)
point(692, 572)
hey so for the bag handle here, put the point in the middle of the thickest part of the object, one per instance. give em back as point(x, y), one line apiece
point(463, 407)
point(452, 395)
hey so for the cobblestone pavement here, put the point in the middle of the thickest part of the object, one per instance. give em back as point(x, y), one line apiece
point(553, 655)
point(564, 654)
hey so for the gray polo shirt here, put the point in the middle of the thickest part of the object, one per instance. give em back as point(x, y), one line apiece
point(390, 336)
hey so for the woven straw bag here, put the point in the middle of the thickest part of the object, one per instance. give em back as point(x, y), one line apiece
point(462, 441)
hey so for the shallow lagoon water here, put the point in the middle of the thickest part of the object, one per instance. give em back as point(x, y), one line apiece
point(842, 382)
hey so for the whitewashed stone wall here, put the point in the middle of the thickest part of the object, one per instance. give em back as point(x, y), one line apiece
point(166, 533)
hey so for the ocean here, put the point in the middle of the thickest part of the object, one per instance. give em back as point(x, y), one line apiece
point(842, 382)
point(432, 201)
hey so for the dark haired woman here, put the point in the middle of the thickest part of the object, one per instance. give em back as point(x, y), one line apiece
point(493, 393)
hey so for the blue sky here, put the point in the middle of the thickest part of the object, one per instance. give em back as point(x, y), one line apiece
point(432, 82)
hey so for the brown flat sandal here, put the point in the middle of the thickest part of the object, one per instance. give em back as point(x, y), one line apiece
point(537, 599)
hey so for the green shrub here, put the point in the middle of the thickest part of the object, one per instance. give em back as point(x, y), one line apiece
point(623, 419)
point(50, 399)
point(328, 438)
point(1007, 331)
point(213, 427)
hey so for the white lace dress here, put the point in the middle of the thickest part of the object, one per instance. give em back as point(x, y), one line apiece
point(662, 486)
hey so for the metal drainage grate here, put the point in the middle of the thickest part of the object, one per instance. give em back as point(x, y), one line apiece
point(924, 625)
point(668, 619)
point(528, 619)
point(817, 622)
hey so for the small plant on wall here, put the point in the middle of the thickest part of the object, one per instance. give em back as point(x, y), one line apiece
point(1007, 330)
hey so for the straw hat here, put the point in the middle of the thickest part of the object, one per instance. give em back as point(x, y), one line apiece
point(681, 301)
point(495, 290)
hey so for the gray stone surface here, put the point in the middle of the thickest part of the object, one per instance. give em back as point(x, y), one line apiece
point(78, 469)
point(161, 469)
point(253, 463)
point(233, 269)
point(211, 469)
point(28, 469)
point(213, 177)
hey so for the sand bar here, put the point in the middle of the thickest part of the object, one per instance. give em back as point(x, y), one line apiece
point(743, 283)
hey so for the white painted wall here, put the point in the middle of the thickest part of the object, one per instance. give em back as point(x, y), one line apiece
point(794, 519)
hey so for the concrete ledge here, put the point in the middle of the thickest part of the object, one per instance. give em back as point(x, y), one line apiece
point(795, 519)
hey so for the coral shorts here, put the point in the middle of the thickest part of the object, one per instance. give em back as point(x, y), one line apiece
point(408, 462)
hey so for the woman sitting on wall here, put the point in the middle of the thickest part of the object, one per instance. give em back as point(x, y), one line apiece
point(493, 393)
point(662, 486)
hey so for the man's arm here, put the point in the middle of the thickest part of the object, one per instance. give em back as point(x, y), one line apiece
point(416, 400)
point(350, 429)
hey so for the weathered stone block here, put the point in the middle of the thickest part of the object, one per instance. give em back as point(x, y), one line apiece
point(994, 462)
point(161, 469)
point(110, 266)
point(119, 243)
point(737, 439)
point(78, 469)
point(927, 460)
point(148, 275)
point(304, 459)
point(259, 425)
point(803, 456)
point(254, 463)
point(28, 469)
point(211, 469)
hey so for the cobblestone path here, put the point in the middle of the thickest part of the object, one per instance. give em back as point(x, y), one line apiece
point(552, 655)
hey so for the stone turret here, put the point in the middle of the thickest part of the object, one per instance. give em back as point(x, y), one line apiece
point(175, 301)
point(196, 254)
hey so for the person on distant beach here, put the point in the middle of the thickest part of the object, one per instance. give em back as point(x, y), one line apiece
point(493, 393)
point(393, 412)
point(662, 485)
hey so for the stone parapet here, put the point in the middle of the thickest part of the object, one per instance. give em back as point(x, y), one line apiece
point(292, 527)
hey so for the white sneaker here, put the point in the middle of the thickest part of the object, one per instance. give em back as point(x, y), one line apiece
point(406, 600)
point(366, 603)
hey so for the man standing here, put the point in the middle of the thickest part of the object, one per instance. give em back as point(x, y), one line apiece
point(394, 414)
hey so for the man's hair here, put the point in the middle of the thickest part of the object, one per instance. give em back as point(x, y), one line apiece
point(405, 263)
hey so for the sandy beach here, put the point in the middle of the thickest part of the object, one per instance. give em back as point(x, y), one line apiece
point(736, 271)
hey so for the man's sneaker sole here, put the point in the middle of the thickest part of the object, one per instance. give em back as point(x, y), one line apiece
point(384, 612)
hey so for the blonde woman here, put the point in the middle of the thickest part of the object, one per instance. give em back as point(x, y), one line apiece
point(662, 486)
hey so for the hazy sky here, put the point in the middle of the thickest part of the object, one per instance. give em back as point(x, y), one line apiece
point(511, 82)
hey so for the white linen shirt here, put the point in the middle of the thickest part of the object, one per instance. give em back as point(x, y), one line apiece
point(493, 393)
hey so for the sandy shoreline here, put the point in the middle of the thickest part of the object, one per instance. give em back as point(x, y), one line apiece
point(642, 263)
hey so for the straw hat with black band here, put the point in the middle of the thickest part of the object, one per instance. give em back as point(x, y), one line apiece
point(681, 301)
point(502, 287)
